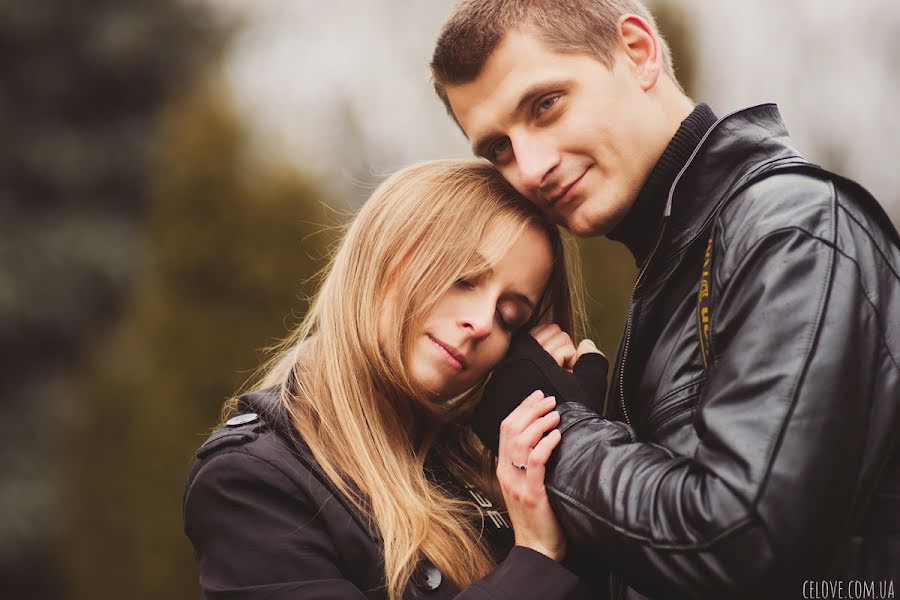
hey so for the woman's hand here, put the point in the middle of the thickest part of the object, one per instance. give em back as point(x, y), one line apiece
point(559, 345)
point(523, 444)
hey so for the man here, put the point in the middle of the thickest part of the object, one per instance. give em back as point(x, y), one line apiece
point(748, 445)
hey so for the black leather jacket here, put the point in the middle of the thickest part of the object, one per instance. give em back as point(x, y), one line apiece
point(746, 477)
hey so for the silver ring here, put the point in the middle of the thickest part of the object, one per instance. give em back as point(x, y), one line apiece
point(519, 467)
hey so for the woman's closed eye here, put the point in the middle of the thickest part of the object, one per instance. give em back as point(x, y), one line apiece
point(511, 315)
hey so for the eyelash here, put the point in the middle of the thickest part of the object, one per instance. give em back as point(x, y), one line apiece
point(494, 151)
point(538, 106)
point(466, 284)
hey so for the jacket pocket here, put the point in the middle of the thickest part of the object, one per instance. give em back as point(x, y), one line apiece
point(676, 403)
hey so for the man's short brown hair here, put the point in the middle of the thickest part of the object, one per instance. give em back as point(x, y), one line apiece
point(475, 29)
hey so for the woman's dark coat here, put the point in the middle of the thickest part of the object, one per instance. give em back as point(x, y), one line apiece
point(266, 523)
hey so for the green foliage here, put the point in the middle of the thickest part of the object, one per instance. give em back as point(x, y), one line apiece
point(608, 272)
point(673, 23)
point(227, 254)
point(82, 85)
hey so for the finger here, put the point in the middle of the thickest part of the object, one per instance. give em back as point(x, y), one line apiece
point(544, 332)
point(524, 443)
point(587, 347)
point(564, 356)
point(532, 408)
point(560, 347)
point(537, 461)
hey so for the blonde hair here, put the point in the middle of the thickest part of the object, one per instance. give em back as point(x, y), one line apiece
point(475, 28)
point(349, 394)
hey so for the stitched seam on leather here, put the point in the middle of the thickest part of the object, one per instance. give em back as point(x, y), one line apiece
point(743, 263)
point(734, 191)
point(838, 250)
point(814, 335)
point(581, 420)
point(865, 293)
point(684, 407)
point(882, 327)
point(865, 230)
point(705, 545)
point(681, 388)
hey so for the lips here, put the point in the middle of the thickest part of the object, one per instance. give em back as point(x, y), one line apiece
point(563, 192)
point(457, 360)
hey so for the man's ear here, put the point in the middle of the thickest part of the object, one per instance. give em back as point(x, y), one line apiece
point(640, 46)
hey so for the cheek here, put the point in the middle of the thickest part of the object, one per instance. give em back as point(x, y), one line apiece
point(490, 354)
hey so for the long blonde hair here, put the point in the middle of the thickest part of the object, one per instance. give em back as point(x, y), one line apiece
point(350, 396)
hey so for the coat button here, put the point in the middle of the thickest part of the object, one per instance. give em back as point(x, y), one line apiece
point(428, 577)
point(238, 420)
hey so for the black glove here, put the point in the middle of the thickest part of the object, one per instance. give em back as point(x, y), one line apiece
point(528, 367)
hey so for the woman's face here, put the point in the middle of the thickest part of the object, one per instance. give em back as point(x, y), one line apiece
point(469, 329)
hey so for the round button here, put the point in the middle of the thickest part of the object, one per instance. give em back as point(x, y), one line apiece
point(238, 420)
point(428, 577)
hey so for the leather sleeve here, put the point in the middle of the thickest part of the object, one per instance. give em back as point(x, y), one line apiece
point(782, 424)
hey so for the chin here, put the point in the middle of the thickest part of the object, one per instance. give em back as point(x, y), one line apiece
point(584, 222)
point(585, 228)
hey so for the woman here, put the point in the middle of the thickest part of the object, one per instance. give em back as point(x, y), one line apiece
point(352, 474)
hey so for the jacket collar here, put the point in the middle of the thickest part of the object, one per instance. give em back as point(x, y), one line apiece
point(735, 149)
point(267, 404)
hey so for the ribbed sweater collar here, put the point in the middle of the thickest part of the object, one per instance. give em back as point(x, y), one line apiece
point(639, 229)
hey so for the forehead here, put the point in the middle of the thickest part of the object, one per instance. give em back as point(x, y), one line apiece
point(520, 62)
point(526, 263)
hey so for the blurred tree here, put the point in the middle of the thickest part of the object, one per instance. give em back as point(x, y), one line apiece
point(673, 23)
point(81, 87)
point(229, 248)
point(608, 272)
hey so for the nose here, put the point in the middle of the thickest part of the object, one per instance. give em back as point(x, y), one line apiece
point(478, 318)
point(535, 160)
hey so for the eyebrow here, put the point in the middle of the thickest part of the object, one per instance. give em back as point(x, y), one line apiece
point(479, 147)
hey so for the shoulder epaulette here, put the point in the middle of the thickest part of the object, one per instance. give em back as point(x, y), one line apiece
point(239, 429)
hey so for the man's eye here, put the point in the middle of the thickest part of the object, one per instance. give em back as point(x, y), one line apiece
point(498, 148)
point(545, 105)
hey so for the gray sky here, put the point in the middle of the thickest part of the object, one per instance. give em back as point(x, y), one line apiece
point(340, 88)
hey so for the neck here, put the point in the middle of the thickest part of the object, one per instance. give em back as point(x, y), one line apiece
point(640, 227)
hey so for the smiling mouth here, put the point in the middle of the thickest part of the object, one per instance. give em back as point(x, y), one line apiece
point(454, 358)
point(564, 195)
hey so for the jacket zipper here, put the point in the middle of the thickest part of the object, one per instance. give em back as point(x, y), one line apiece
point(628, 324)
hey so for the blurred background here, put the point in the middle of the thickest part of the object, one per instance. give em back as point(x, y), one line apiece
point(169, 172)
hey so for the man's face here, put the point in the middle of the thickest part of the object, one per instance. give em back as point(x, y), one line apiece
point(573, 136)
